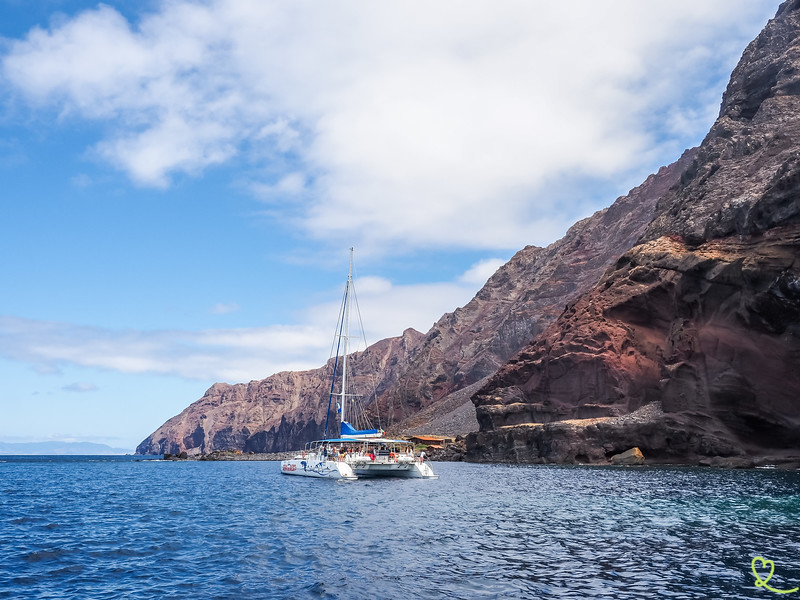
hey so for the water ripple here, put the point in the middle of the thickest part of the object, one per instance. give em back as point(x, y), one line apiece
point(122, 528)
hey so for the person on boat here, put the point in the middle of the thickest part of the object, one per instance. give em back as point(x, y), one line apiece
point(422, 457)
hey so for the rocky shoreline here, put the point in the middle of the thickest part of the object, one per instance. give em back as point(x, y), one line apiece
point(661, 438)
point(459, 451)
point(648, 434)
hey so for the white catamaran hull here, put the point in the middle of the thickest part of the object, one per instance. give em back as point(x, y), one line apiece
point(414, 470)
point(352, 458)
point(310, 467)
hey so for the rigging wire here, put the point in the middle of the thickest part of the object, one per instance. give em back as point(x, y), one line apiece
point(337, 341)
point(370, 371)
point(356, 404)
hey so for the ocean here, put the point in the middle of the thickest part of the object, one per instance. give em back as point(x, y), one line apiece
point(118, 527)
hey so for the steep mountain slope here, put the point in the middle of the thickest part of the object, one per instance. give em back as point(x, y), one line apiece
point(277, 413)
point(524, 296)
point(701, 319)
point(418, 372)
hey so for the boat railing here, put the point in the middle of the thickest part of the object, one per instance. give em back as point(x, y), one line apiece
point(392, 453)
point(380, 458)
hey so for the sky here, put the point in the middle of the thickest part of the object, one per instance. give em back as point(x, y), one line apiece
point(181, 181)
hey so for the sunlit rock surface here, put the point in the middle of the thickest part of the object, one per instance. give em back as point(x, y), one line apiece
point(702, 316)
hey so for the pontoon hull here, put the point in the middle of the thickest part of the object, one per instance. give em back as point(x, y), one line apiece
point(324, 469)
point(414, 470)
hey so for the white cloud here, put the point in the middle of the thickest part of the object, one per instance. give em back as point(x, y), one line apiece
point(449, 124)
point(291, 186)
point(221, 355)
point(481, 271)
point(388, 309)
point(234, 354)
point(223, 308)
point(175, 143)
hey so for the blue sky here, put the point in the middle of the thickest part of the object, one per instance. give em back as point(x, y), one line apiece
point(181, 181)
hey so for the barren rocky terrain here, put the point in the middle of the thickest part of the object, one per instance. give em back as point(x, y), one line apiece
point(702, 315)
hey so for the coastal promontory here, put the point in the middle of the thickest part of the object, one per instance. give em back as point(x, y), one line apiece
point(700, 320)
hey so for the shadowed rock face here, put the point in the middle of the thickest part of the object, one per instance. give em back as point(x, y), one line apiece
point(703, 316)
point(712, 332)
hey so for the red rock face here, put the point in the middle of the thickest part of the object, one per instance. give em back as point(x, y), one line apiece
point(712, 332)
point(702, 317)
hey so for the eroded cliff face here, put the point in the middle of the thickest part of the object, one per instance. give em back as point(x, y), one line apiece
point(422, 379)
point(709, 333)
point(701, 319)
point(278, 413)
point(525, 295)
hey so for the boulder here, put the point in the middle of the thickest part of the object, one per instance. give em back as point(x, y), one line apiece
point(633, 456)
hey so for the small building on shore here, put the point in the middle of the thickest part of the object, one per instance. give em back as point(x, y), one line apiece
point(431, 441)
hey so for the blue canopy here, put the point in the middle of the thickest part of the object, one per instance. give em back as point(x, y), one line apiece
point(348, 430)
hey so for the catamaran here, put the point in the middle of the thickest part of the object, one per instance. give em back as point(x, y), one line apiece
point(356, 452)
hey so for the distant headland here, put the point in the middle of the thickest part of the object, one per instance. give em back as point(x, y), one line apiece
point(59, 448)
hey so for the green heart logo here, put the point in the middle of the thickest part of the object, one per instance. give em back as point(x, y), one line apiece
point(765, 563)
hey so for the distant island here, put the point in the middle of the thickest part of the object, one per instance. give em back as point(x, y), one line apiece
point(59, 448)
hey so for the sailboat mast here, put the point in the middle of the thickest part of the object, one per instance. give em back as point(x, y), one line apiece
point(346, 317)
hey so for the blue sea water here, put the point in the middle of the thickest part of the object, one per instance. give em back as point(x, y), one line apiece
point(115, 527)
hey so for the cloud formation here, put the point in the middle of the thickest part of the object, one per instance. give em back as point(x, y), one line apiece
point(221, 355)
point(222, 308)
point(231, 355)
point(458, 128)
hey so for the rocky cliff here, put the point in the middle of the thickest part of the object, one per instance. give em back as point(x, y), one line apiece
point(698, 325)
point(424, 382)
point(525, 295)
point(685, 347)
point(278, 413)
